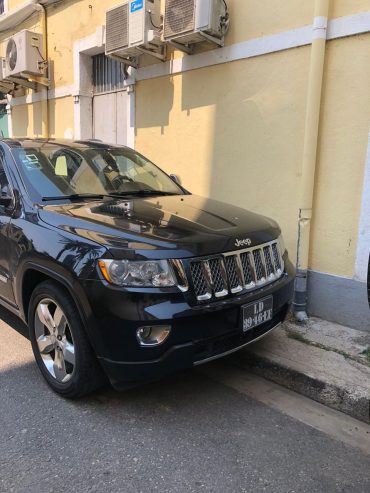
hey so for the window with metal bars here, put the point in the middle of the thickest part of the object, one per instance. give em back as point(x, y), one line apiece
point(108, 75)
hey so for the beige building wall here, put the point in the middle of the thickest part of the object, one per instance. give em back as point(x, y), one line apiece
point(233, 132)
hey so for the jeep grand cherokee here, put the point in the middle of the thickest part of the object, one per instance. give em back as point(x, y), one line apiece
point(120, 272)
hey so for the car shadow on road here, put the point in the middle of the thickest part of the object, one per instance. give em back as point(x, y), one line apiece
point(179, 392)
point(185, 386)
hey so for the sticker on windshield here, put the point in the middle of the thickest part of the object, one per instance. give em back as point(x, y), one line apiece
point(31, 161)
point(137, 5)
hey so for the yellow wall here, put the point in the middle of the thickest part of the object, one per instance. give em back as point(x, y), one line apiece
point(345, 125)
point(27, 119)
point(339, 8)
point(233, 132)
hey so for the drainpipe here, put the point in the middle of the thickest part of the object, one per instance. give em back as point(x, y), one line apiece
point(315, 83)
point(45, 100)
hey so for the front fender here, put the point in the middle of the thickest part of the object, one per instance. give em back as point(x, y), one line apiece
point(47, 269)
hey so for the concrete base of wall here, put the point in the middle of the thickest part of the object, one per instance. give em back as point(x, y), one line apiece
point(339, 300)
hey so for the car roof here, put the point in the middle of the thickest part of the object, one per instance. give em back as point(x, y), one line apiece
point(45, 143)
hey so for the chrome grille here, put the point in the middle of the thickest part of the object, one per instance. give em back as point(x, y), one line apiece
point(267, 252)
point(260, 268)
point(277, 258)
point(218, 278)
point(248, 268)
point(231, 273)
point(201, 287)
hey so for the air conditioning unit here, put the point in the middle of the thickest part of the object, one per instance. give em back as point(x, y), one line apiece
point(5, 85)
point(2, 69)
point(23, 55)
point(187, 22)
point(134, 28)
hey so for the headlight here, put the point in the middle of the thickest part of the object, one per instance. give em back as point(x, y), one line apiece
point(152, 273)
point(282, 244)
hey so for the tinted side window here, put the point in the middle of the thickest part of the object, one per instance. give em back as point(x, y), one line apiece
point(4, 184)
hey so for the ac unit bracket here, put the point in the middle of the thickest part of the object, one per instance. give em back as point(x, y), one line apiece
point(213, 39)
point(188, 49)
point(6, 86)
point(160, 55)
point(43, 81)
point(131, 62)
point(20, 81)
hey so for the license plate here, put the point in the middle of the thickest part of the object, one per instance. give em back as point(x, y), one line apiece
point(257, 313)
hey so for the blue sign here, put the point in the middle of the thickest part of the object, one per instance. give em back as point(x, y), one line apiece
point(137, 5)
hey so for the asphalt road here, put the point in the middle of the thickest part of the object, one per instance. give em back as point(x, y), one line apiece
point(194, 432)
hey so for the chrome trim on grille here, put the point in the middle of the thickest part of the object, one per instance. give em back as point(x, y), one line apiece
point(182, 280)
point(249, 270)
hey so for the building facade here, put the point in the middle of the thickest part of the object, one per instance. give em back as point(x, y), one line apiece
point(276, 121)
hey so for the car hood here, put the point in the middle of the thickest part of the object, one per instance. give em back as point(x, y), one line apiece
point(188, 225)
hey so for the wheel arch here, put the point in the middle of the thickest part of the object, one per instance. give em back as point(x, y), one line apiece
point(33, 274)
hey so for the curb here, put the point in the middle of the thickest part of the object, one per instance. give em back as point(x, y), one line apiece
point(312, 374)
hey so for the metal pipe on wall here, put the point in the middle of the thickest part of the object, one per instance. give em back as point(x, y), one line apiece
point(309, 160)
point(45, 101)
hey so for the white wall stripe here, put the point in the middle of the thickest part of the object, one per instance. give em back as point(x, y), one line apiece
point(246, 49)
point(363, 245)
point(336, 28)
point(57, 93)
point(349, 25)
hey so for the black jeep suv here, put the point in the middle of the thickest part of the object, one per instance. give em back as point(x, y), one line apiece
point(119, 272)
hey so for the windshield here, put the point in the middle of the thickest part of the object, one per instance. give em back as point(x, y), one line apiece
point(55, 173)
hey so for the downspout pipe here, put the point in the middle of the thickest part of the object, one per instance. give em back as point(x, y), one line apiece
point(315, 83)
point(45, 100)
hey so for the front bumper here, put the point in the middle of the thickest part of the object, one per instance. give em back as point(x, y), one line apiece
point(198, 334)
point(184, 356)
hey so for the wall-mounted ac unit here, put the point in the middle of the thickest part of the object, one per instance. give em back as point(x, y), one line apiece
point(23, 55)
point(187, 22)
point(134, 28)
point(2, 67)
point(5, 85)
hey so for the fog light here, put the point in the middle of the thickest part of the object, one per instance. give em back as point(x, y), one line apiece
point(153, 336)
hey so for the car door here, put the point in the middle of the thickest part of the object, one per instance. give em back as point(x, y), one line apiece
point(6, 288)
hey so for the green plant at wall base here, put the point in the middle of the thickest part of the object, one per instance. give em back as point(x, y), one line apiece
point(366, 353)
point(297, 336)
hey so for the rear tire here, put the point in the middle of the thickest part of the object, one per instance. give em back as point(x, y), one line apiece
point(60, 345)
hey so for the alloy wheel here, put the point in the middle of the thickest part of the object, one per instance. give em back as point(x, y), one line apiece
point(54, 340)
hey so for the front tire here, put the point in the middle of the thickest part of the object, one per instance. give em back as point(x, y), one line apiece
point(61, 348)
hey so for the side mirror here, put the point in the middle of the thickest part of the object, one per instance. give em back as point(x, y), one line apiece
point(176, 179)
point(5, 202)
point(5, 199)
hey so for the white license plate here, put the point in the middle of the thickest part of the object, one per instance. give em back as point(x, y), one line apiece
point(257, 313)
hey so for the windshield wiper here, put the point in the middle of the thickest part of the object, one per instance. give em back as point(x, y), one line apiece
point(79, 196)
point(143, 193)
point(115, 195)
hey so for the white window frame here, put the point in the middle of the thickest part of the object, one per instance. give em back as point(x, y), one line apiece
point(83, 51)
